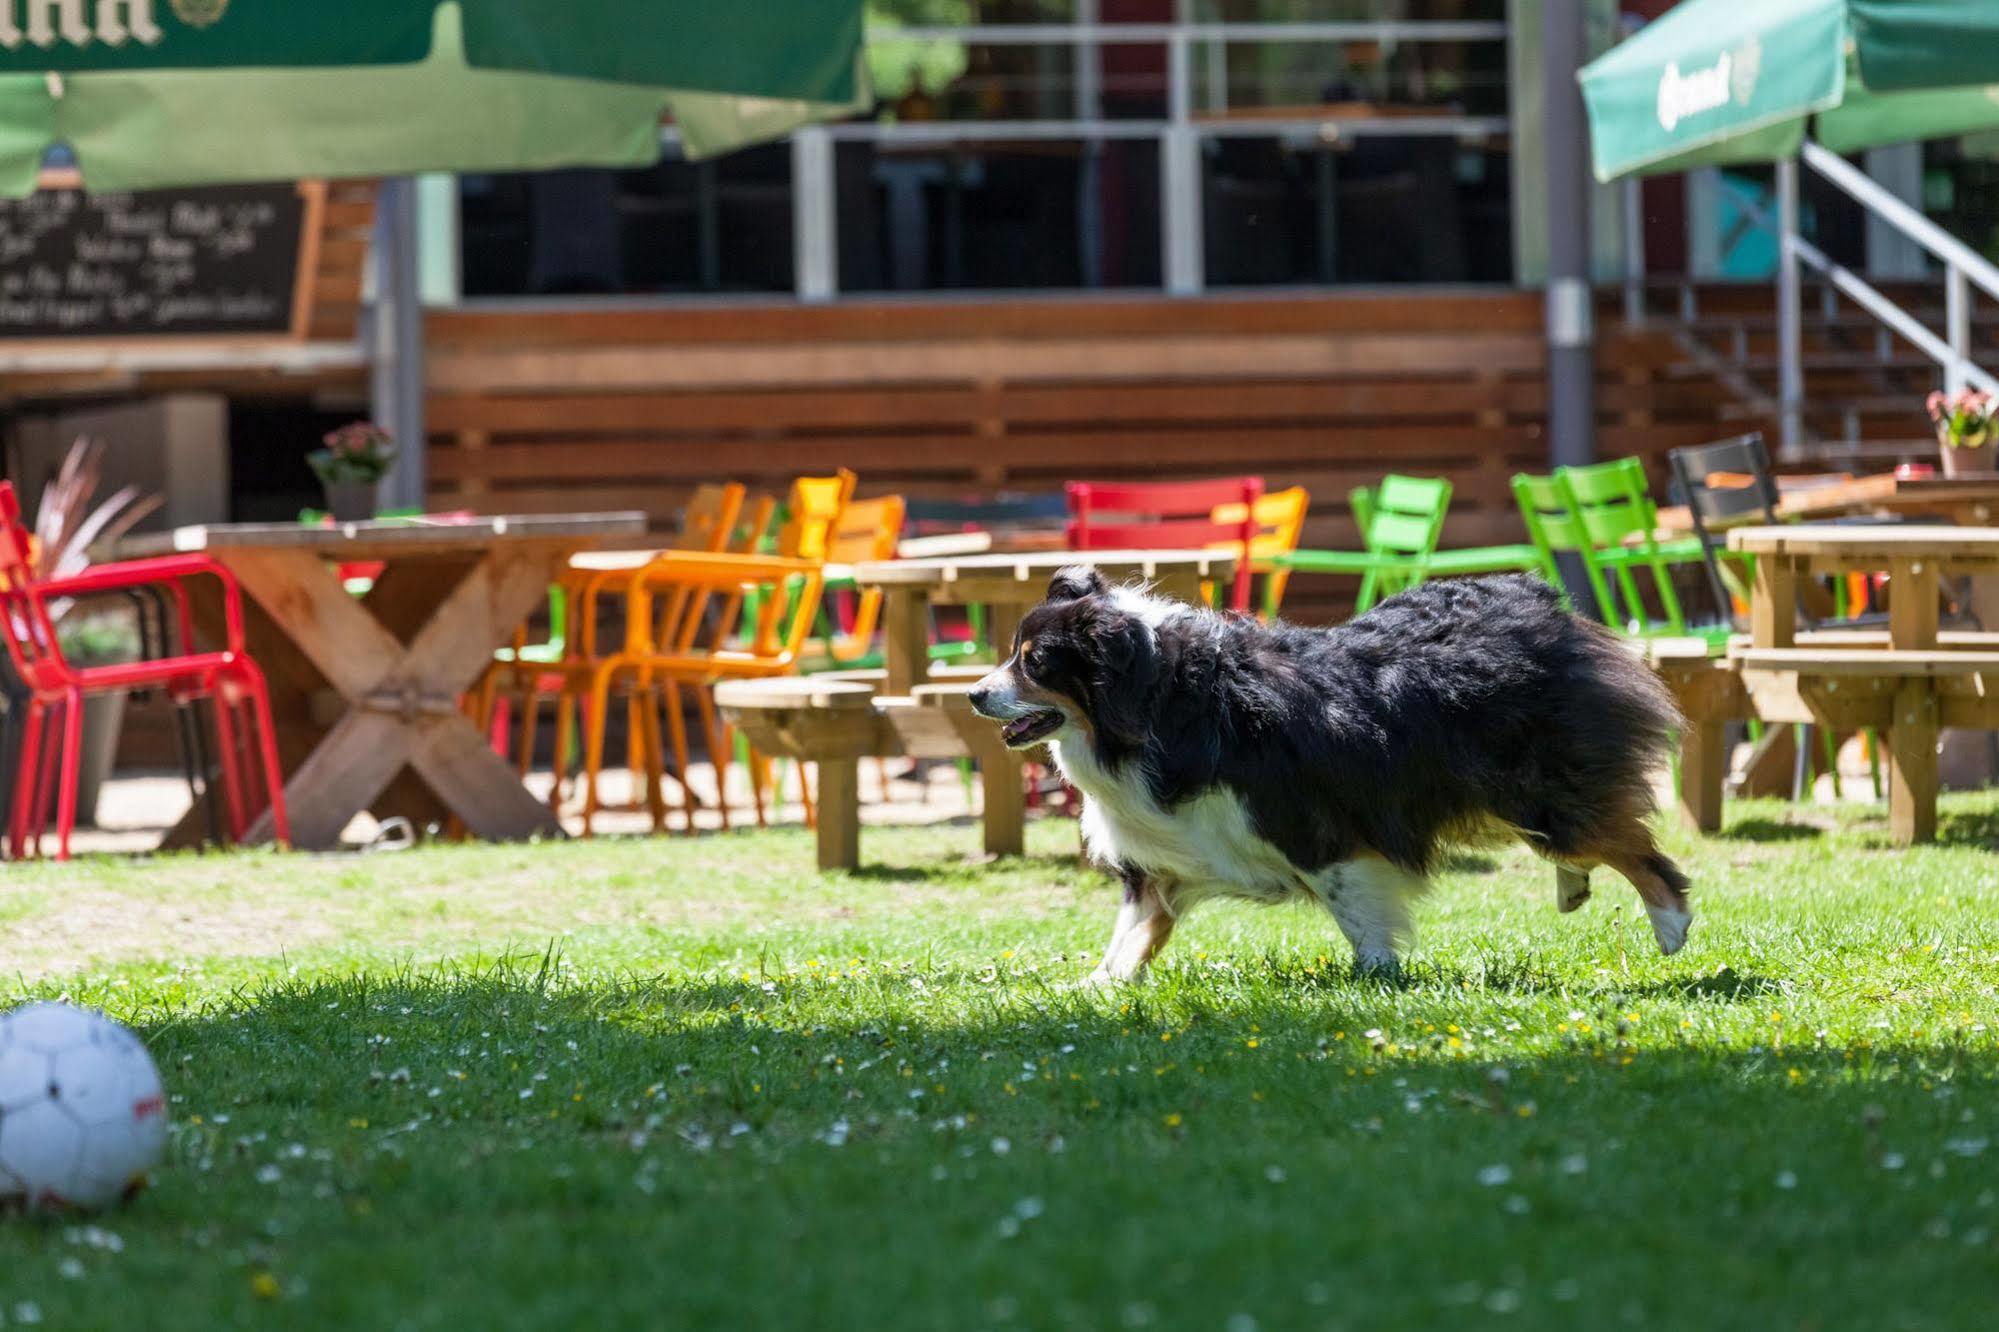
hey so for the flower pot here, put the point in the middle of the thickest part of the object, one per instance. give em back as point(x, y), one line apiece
point(351, 501)
point(103, 724)
point(1964, 461)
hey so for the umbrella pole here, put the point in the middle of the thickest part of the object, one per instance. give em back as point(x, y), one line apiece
point(396, 332)
point(1570, 325)
point(1790, 316)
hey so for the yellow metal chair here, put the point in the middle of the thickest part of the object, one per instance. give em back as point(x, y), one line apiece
point(1280, 521)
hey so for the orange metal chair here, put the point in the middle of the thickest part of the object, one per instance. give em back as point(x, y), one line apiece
point(867, 530)
point(681, 631)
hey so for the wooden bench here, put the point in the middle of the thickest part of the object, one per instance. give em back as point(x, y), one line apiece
point(1908, 695)
point(835, 722)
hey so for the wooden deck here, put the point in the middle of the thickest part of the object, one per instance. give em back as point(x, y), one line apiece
point(560, 410)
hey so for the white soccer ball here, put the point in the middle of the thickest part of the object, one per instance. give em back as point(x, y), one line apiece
point(82, 1114)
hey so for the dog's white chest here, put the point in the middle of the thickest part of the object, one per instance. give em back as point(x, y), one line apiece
point(1207, 844)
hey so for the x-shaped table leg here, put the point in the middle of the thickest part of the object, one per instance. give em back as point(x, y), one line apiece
point(402, 700)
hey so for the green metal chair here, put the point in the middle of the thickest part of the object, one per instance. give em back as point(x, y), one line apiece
point(1401, 522)
point(1604, 514)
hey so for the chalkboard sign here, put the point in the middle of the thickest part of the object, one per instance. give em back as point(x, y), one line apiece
point(156, 263)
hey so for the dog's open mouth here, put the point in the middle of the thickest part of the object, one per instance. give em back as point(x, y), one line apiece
point(1034, 727)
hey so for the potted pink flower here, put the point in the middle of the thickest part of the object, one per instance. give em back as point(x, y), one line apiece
point(1967, 424)
point(351, 467)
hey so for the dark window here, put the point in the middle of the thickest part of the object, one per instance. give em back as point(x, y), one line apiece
point(717, 226)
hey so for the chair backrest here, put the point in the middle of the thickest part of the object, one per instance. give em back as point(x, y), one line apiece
point(867, 530)
point(1724, 484)
point(1162, 515)
point(1588, 510)
point(1613, 500)
point(709, 520)
point(1404, 515)
point(811, 513)
point(1279, 518)
point(32, 647)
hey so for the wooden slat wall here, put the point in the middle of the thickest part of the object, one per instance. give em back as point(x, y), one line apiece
point(546, 411)
point(343, 254)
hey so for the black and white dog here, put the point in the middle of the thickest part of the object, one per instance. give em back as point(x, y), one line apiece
point(1221, 757)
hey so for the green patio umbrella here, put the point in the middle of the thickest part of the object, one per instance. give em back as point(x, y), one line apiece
point(185, 92)
point(1719, 81)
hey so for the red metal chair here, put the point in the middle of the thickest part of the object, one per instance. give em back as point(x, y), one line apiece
point(229, 679)
point(1167, 515)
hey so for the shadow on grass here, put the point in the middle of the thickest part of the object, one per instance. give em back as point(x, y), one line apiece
point(1769, 830)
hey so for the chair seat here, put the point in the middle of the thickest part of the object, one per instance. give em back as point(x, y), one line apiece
point(192, 672)
point(1485, 559)
point(1680, 550)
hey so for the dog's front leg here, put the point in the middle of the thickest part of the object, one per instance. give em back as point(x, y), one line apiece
point(1144, 923)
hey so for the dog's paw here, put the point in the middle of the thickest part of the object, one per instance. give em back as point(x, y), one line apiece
point(1377, 966)
point(1099, 979)
point(1571, 888)
point(1669, 927)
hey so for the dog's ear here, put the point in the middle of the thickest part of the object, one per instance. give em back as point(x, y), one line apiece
point(1076, 581)
point(1126, 657)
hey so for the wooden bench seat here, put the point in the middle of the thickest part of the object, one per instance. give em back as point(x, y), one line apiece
point(836, 720)
point(1880, 662)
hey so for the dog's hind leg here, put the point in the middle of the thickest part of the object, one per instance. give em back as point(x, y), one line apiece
point(1658, 881)
point(1369, 898)
point(1144, 924)
point(1571, 887)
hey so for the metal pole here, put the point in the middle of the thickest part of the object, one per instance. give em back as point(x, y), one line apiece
point(1569, 322)
point(1790, 318)
point(1180, 179)
point(815, 257)
point(1957, 327)
point(395, 380)
point(1632, 199)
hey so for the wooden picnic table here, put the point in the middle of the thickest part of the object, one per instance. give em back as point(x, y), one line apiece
point(365, 690)
point(1970, 501)
point(910, 709)
point(1908, 690)
point(1010, 585)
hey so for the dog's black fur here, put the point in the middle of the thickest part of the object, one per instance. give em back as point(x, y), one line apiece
point(1450, 711)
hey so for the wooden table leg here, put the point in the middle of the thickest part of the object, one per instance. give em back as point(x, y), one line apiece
point(905, 639)
point(401, 679)
point(839, 813)
point(1703, 769)
point(1912, 764)
point(1773, 610)
point(1005, 617)
point(1003, 783)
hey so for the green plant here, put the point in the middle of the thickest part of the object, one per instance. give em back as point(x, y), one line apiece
point(101, 637)
point(68, 523)
point(1965, 419)
point(360, 452)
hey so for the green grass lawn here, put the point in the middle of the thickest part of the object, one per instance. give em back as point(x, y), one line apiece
point(693, 1083)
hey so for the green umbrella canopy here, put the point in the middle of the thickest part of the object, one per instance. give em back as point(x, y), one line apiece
point(1719, 81)
point(212, 91)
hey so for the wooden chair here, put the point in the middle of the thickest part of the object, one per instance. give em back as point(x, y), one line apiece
point(1168, 515)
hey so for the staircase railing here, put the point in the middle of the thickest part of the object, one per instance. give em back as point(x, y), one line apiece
point(1963, 267)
